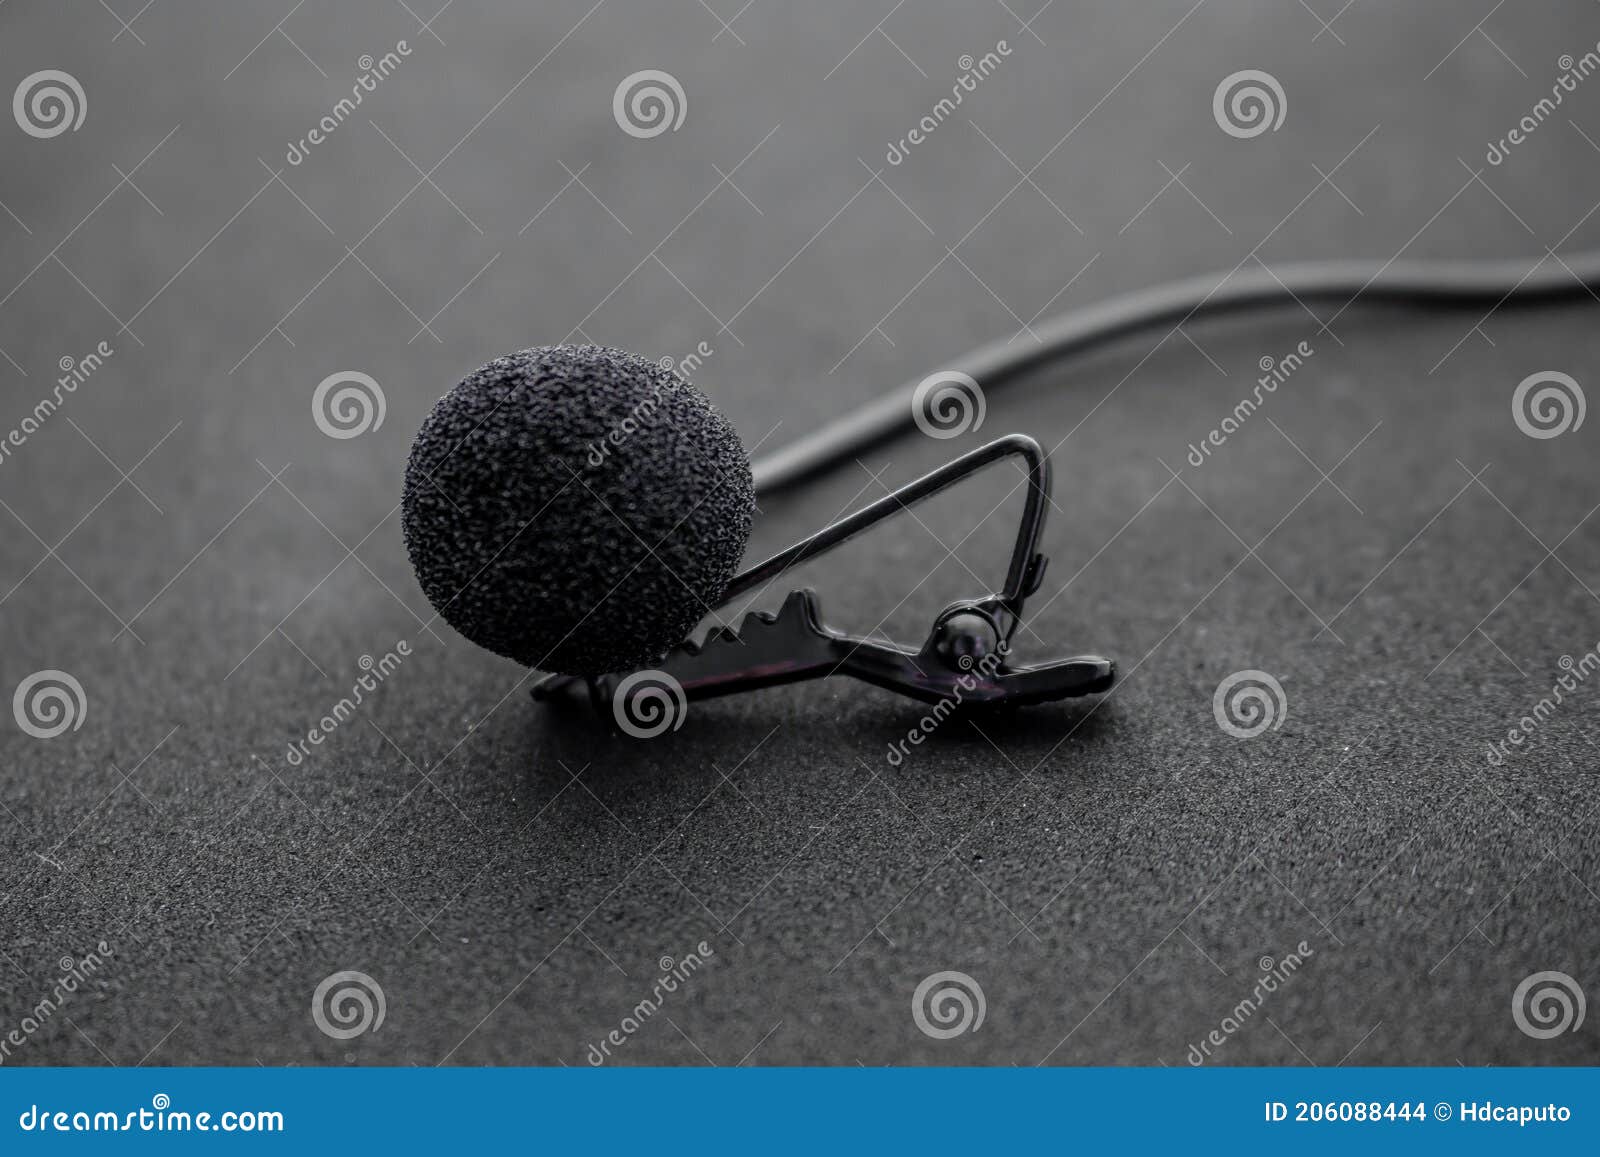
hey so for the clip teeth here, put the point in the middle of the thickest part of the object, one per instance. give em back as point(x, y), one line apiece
point(754, 620)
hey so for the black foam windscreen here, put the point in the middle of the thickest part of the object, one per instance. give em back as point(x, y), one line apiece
point(576, 508)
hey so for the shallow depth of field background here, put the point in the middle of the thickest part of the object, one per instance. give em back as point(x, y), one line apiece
point(210, 566)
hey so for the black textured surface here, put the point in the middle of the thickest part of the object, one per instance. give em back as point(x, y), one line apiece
point(575, 508)
point(513, 874)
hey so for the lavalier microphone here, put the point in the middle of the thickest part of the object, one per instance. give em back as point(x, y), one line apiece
point(580, 509)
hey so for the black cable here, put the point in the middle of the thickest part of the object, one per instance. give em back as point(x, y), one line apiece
point(1490, 283)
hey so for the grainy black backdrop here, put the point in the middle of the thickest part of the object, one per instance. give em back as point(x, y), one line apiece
point(183, 539)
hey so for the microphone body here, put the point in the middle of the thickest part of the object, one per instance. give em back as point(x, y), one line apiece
point(577, 509)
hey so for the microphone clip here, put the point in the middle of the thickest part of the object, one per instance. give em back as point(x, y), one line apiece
point(965, 659)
